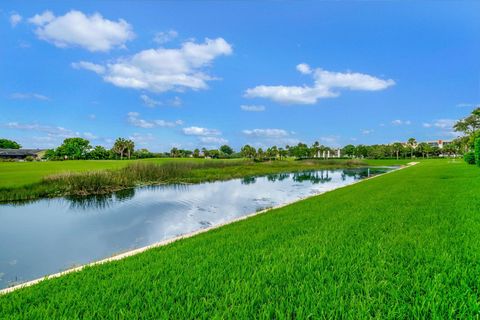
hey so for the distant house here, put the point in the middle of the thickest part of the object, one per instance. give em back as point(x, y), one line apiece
point(21, 154)
point(439, 143)
point(334, 153)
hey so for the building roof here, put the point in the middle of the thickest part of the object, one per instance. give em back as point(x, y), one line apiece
point(19, 152)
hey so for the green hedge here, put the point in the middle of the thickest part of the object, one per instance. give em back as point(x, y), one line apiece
point(469, 157)
point(477, 151)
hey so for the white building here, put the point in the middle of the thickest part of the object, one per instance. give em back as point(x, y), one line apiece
point(439, 143)
point(335, 153)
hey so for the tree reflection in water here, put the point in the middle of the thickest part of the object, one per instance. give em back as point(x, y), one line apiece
point(362, 173)
point(278, 177)
point(249, 180)
point(314, 177)
point(321, 176)
point(100, 201)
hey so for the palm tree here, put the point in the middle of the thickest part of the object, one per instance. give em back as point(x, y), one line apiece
point(315, 149)
point(248, 151)
point(120, 146)
point(260, 153)
point(450, 149)
point(397, 147)
point(412, 143)
point(174, 152)
point(423, 148)
point(130, 146)
point(427, 149)
point(205, 152)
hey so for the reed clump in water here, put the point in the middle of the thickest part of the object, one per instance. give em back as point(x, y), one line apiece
point(137, 173)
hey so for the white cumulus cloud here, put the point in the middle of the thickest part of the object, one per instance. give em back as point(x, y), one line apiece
point(160, 70)
point(440, 123)
point(142, 139)
point(134, 119)
point(199, 131)
point(399, 122)
point(28, 95)
point(89, 66)
point(252, 108)
point(266, 133)
point(15, 19)
point(150, 102)
point(52, 133)
point(326, 85)
point(76, 29)
point(165, 36)
point(213, 140)
point(304, 68)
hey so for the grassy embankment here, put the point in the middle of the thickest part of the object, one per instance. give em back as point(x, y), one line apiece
point(25, 181)
point(404, 245)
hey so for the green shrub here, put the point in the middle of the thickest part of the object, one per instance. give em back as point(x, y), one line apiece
point(29, 158)
point(469, 157)
point(477, 151)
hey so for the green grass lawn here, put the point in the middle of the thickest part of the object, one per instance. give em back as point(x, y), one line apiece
point(401, 246)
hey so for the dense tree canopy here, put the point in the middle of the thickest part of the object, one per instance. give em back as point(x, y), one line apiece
point(99, 153)
point(9, 144)
point(470, 124)
point(73, 148)
point(248, 151)
point(226, 149)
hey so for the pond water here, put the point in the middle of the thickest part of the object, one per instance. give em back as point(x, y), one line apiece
point(50, 235)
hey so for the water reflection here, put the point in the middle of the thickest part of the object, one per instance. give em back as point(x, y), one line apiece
point(46, 236)
point(100, 201)
point(312, 176)
point(278, 177)
point(249, 180)
point(362, 173)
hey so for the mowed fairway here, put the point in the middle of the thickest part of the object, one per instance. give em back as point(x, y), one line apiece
point(403, 245)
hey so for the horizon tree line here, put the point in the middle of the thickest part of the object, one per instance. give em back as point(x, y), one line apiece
point(80, 148)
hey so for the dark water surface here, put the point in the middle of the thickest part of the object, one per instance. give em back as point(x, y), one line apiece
point(51, 235)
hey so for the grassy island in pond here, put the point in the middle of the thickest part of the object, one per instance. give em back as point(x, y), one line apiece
point(32, 180)
point(403, 245)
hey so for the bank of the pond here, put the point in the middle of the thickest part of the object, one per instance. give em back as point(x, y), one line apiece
point(82, 181)
point(81, 230)
point(404, 245)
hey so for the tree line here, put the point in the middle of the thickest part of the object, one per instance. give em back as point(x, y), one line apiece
point(79, 148)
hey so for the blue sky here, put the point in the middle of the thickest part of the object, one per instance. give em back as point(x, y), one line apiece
point(200, 74)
